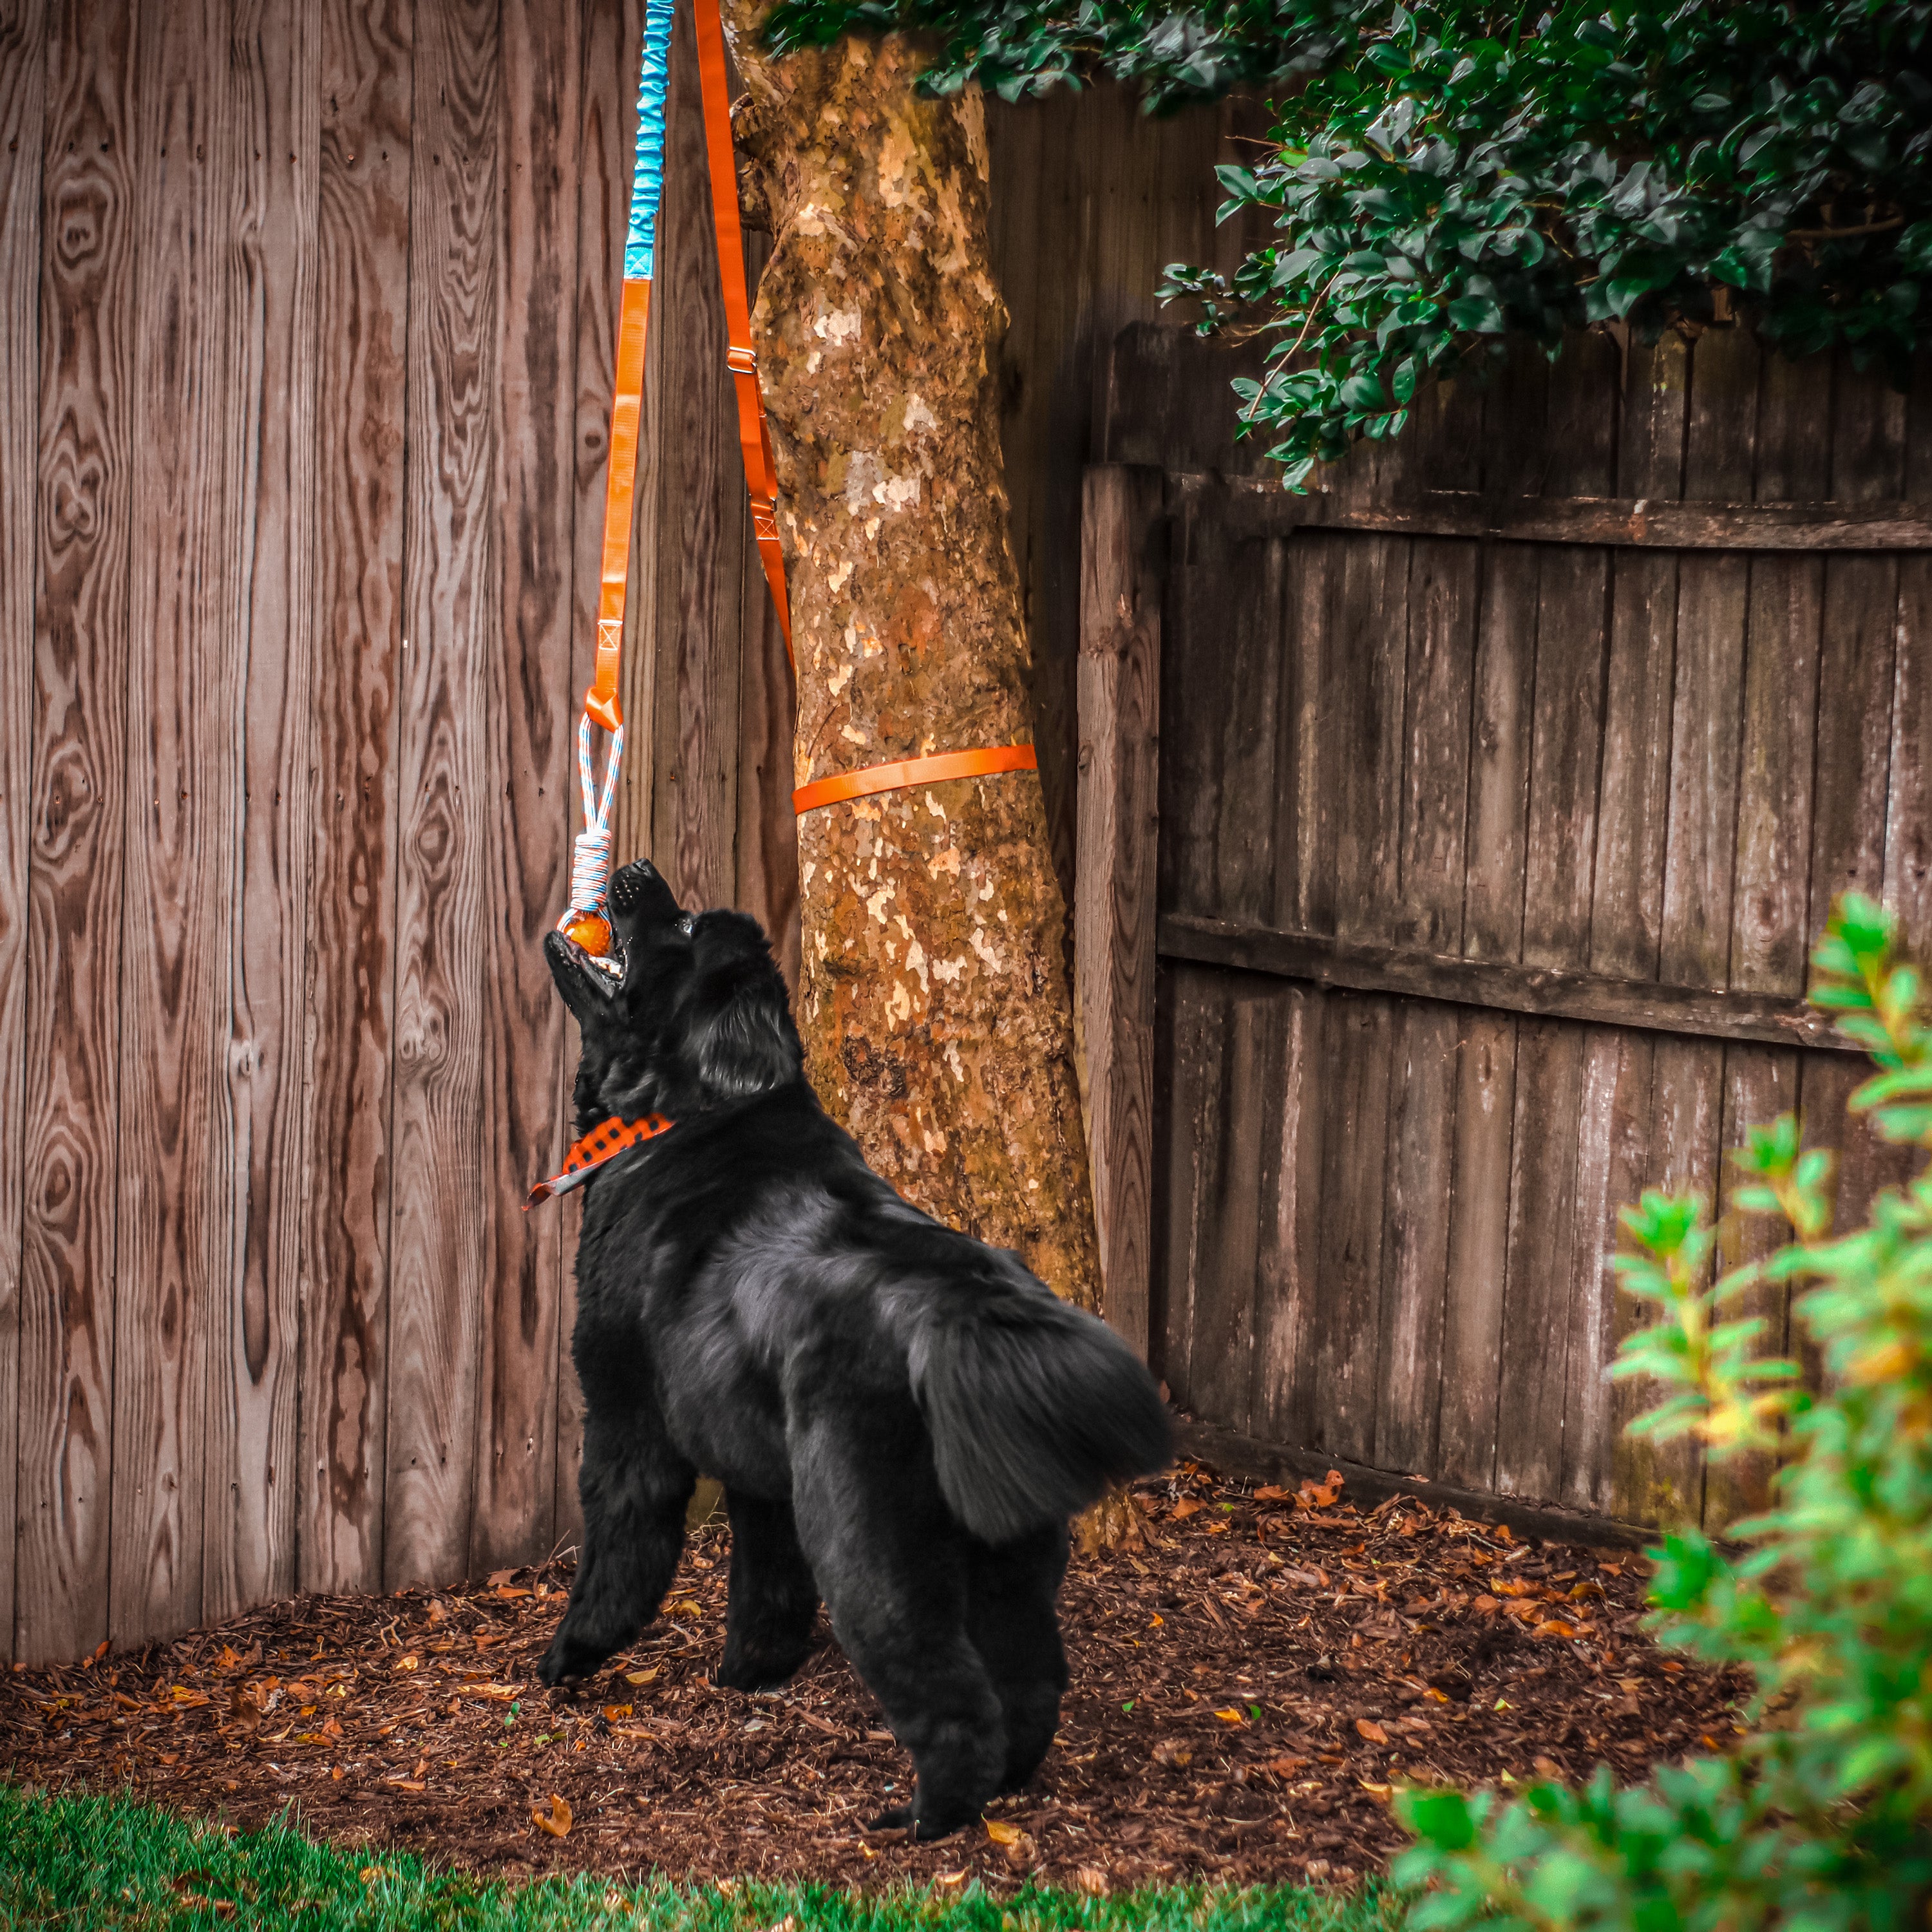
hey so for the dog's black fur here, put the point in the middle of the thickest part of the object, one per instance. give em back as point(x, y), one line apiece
point(903, 1418)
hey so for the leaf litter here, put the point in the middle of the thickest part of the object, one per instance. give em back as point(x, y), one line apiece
point(1248, 1688)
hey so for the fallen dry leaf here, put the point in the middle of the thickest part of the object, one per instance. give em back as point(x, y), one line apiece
point(1372, 1731)
point(1314, 1496)
point(1001, 1833)
point(553, 1819)
point(613, 1712)
point(1092, 1879)
point(1232, 1716)
point(1186, 1508)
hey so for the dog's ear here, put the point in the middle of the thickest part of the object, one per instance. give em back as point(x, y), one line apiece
point(741, 1037)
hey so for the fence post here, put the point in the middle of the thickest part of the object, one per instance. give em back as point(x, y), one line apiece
point(1122, 560)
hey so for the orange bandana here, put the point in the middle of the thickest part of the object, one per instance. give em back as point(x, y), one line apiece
point(601, 1144)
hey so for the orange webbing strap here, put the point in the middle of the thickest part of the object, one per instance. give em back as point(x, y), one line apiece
point(754, 439)
point(935, 769)
point(626, 412)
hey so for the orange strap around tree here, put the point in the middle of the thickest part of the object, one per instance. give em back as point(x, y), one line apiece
point(934, 769)
point(754, 439)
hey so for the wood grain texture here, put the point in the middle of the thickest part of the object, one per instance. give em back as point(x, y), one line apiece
point(1612, 1169)
point(1188, 1068)
point(1701, 849)
point(1423, 1087)
point(1364, 685)
point(248, 1552)
point(76, 826)
point(1243, 1035)
point(1769, 936)
point(1908, 857)
point(1358, 1050)
point(1544, 1303)
point(1117, 849)
point(1543, 991)
point(1615, 1472)
point(1501, 722)
point(23, 77)
point(531, 753)
point(767, 883)
point(612, 37)
point(1288, 1279)
point(1260, 507)
point(441, 1257)
point(698, 493)
point(362, 256)
point(175, 1234)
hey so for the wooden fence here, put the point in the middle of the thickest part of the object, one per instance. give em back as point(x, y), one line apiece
point(304, 374)
point(305, 377)
point(1497, 794)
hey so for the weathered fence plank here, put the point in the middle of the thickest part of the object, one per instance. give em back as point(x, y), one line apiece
point(1540, 1303)
point(23, 76)
point(248, 1552)
point(1626, 909)
point(612, 35)
point(174, 1240)
point(695, 637)
point(1118, 836)
point(362, 295)
point(81, 646)
point(440, 1258)
point(525, 825)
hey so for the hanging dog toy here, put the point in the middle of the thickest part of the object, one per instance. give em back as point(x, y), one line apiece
point(583, 919)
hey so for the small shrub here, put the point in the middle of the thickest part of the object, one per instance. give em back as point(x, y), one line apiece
point(1822, 1816)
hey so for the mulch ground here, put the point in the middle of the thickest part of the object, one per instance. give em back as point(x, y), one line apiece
point(1246, 1688)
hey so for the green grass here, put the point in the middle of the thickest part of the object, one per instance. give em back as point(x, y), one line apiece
point(83, 1862)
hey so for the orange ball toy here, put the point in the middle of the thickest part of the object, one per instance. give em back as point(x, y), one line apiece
point(591, 933)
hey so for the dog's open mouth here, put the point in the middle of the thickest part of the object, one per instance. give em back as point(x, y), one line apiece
point(611, 963)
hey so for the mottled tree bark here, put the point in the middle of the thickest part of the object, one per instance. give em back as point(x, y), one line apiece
point(934, 1003)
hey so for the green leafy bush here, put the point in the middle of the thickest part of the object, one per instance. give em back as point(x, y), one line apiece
point(1446, 185)
point(1444, 176)
point(1822, 1816)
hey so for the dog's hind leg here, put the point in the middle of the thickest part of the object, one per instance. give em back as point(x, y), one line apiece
point(634, 1486)
point(1014, 1626)
point(894, 1568)
point(774, 1600)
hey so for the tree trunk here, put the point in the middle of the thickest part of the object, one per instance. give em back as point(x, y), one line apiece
point(935, 1001)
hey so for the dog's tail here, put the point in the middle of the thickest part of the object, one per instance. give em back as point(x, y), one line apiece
point(1036, 1408)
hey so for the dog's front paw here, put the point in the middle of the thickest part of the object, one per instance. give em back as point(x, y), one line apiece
point(744, 1671)
point(566, 1658)
point(902, 1817)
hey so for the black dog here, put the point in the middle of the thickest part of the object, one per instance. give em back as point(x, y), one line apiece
point(903, 1417)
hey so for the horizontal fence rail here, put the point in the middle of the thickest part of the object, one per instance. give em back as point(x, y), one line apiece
point(1501, 986)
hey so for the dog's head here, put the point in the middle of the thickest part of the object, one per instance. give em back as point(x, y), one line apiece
point(687, 1012)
